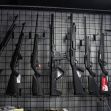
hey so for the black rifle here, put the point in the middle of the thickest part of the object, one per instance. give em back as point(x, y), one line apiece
point(92, 85)
point(102, 103)
point(77, 85)
point(8, 35)
point(14, 84)
point(102, 63)
point(101, 50)
point(54, 63)
point(36, 80)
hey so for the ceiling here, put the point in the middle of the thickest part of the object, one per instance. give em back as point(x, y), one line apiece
point(87, 4)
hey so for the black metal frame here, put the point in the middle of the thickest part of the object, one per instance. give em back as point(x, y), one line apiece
point(28, 14)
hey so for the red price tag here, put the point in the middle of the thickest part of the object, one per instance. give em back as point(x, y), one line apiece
point(104, 83)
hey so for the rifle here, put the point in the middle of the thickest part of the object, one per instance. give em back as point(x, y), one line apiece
point(56, 72)
point(14, 83)
point(36, 80)
point(104, 87)
point(102, 103)
point(92, 85)
point(77, 85)
point(7, 37)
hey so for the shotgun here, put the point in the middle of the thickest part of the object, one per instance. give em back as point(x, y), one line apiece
point(92, 85)
point(14, 83)
point(36, 80)
point(56, 72)
point(104, 85)
point(77, 85)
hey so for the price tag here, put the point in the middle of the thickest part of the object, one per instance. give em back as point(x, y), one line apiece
point(104, 82)
point(19, 78)
point(79, 74)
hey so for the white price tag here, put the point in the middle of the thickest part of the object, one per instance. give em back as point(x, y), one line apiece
point(19, 79)
point(79, 74)
point(105, 88)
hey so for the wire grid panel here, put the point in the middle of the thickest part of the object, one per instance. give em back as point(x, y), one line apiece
point(61, 26)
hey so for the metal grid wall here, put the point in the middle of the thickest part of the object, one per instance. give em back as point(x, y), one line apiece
point(61, 26)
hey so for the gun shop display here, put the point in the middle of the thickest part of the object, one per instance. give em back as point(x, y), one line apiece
point(55, 58)
point(59, 58)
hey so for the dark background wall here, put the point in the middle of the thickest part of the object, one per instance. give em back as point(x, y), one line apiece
point(89, 4)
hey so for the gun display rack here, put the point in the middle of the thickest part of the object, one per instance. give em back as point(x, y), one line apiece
point(61, 27)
